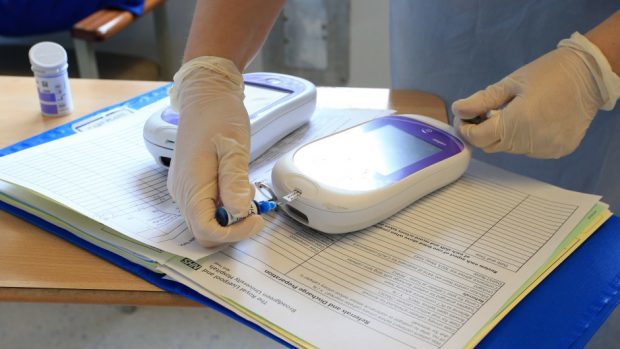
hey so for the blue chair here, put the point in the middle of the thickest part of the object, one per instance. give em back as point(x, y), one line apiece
point(89, 22)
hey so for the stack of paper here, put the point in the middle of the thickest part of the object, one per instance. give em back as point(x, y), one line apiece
point(441, 273)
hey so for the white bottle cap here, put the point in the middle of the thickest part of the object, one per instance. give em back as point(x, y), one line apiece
point(47, 57)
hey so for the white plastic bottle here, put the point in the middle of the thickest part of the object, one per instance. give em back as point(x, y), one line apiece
point(48, 61)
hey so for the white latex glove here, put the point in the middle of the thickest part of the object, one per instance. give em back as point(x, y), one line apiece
point(544, 108)
point(210, 163)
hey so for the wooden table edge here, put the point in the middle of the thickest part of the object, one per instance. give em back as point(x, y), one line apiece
point(84, 296)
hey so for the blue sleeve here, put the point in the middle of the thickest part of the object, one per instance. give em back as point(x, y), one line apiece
point(31, 17)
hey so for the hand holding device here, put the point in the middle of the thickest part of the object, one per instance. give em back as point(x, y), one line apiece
point(544, 108)
point(277, 104)
point(212, 150)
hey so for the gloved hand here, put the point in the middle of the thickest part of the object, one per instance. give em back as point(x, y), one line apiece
point(210, 162)
point(544, 108)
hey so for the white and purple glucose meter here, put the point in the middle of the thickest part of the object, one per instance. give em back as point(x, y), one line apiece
point(358, 177)
point(277, 104)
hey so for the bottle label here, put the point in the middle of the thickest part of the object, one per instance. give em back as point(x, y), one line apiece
point(54, 94)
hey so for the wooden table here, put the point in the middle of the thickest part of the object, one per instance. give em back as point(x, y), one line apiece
point(36, 266)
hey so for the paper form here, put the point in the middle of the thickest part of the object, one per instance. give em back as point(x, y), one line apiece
point(107, 175)
point(588, 226)
point(429, 277)
point(83, 227)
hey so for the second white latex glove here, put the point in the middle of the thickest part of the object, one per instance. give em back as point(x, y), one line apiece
point(209, 167)
point(542, 110)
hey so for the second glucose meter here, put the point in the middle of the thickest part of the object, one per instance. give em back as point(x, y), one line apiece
point(277, 104)
point(360, 176)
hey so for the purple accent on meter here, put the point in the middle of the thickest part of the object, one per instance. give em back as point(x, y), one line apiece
point(170, 116)
point(274, 82)
point(446, 144)
point(270, 81)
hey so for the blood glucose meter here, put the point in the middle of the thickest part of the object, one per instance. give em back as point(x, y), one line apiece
point(277, 104)
point(360, 176)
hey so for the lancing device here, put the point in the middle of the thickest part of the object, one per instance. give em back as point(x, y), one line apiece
point(225, 218)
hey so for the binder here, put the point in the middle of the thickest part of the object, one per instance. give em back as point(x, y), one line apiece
point(565, 310)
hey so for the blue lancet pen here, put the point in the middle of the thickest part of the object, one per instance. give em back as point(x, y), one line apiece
point(225, 218)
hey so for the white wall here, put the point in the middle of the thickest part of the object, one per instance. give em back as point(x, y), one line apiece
point(370, 46)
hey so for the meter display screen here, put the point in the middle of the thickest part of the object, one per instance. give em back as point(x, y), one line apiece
point(362, 158)
point(402, 149)
point(257, 97)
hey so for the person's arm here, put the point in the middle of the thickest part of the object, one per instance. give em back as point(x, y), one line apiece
point(544, 108)
point(606, 36)
point(209, 166)
point(231, 29)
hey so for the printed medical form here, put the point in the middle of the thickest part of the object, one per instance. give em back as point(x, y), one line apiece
point(429, 277)
point(104, 175)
